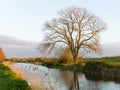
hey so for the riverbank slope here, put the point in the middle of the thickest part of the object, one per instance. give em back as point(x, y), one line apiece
point(9, 81)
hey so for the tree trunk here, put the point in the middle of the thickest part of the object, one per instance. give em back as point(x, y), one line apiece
point(74, 58)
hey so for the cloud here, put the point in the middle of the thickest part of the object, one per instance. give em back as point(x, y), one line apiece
point(111, 49)
point(14, 47)
point(7, 40)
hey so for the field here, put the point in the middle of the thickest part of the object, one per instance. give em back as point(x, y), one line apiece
point(111, 61)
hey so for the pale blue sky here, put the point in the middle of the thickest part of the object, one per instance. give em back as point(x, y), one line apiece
point(24, 19)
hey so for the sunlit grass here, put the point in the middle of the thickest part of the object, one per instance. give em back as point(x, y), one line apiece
point(9, 81)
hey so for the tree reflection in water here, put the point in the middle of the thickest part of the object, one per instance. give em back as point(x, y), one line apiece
point(71, 79)
point(75, 82)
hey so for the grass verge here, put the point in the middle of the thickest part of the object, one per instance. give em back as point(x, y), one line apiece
point(8, 80)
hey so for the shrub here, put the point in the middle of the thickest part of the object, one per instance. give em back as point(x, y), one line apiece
point(63, 60)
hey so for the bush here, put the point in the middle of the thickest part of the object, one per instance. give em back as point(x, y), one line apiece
point(62, 61)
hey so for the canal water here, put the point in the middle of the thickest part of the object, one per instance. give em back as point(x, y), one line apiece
point(43, 78)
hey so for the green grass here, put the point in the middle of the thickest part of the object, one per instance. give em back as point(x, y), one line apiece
point(8, 80)
point(114, 62)
point(111, 61)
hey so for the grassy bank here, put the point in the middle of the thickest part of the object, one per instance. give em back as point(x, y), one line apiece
point(102, 71)
point(8, 80)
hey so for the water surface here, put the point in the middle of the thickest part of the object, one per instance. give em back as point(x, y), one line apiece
point(43, 78)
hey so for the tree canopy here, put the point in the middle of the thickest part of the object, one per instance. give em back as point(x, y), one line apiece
point(76, 28)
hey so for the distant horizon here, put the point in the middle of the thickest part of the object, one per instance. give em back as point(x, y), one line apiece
point(18, 48)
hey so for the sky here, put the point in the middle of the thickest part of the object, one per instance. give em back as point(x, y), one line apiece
point(13, 47)
point(24, 19)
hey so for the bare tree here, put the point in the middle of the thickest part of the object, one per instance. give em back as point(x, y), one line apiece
point(76, 28)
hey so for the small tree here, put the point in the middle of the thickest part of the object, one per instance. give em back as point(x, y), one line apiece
point(2, 56)
point(76, 28)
